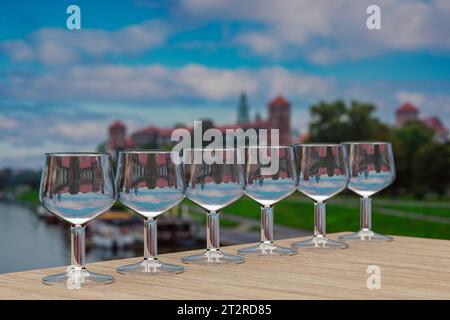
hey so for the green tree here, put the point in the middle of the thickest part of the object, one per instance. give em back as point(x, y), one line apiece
point(406, 142)
point(179, 125)
point(413, 135)
point(362, 125)
point(418, 170)
point(101, 147)
point(431, 169)
point(327, 122)
point(337, 122)
point(5, 176)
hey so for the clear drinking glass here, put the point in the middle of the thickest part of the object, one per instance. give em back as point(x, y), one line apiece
point(149, 183)
point(372, 169)
point(271, 176)
point(323, 173)
point(77, 187)
point(213, 184)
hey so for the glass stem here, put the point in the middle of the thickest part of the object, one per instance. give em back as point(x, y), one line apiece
point(320, 219)
point(267, 224)
point(150, 239)
point(366, 213)
point(78, 252)
point(212, 230)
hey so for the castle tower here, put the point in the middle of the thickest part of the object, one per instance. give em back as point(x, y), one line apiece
point(243, 109)
point(280, 118)
point(406, 112)
point(116, 140)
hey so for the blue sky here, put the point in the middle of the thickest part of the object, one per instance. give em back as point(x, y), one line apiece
point(159, 62)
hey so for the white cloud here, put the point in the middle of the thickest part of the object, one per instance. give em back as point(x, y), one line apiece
point(331, 30)
point(7, 123)
point(324, 32)
point(157, 82)
point(80, 131)
point(32, 156)
point(28, 133)
point(279, 80)
point(412, 97)
point(211, 83)
point(55, 46)
point(260, 43)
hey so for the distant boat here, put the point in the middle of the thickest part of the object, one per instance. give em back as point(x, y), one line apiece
point(115, 230)
point(105, 235)
point(122, 230)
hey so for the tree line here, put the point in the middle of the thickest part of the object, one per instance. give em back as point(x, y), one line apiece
point(422, 162)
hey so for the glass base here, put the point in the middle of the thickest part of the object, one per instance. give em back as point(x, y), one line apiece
point(77, 278)
point(267, 248)
point(213, 257)
point(150, 267)
point(320, 242)
point(366, 235)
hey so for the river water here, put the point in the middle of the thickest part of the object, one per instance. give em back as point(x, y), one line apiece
point(27, 242)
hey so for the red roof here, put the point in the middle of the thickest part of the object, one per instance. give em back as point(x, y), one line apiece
point(279, 101)
point(165, 132)
point(117, 125)
point(129, 143)
point(407, 108)
point(149, 130)
point(436, 124)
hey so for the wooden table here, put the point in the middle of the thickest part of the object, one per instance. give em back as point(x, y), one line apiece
point(411, 268)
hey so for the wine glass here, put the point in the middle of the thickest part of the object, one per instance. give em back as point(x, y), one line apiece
point(149, 183)
point(214, 179)
point(271, 176)
point(372, 169)
point(77, 187)
point(323, 173)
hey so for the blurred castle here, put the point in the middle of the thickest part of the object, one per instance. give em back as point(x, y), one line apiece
point(408, 112)
point(279, 117)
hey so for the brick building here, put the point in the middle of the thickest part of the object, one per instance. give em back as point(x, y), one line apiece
point(408, 112)
point(279, 117)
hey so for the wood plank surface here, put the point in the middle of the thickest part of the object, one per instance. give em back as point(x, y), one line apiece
point(411, 268)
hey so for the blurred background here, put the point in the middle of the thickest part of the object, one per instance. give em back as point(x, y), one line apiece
point(138, 69)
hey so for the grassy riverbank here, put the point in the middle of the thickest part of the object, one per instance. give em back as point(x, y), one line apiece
point(343, 215)
point(31, 196)
point(403, 216)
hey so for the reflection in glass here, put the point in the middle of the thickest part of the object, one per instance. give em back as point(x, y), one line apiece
point(271, 176)
point(371, 170)
point(213, 184)
point(77, 187)
point(323, 173)
point(150, 183)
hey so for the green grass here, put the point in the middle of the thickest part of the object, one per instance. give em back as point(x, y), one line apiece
point(228, 223)
point(31, 196)
point(297, 211)
point(340, 218)
point(443, 212)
